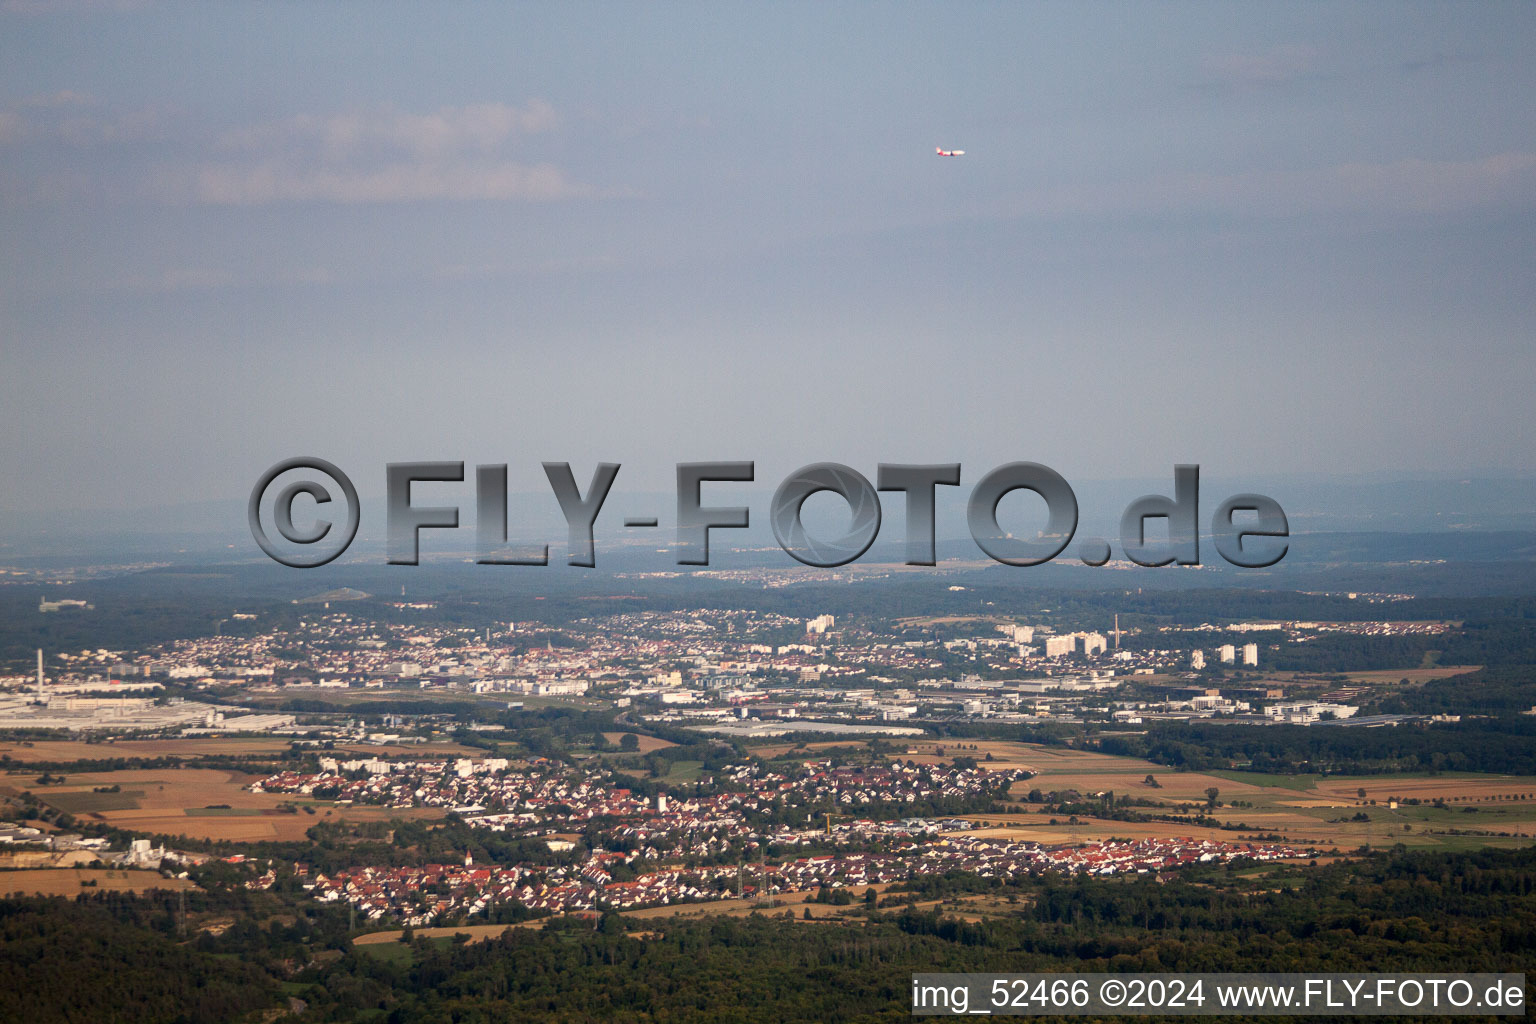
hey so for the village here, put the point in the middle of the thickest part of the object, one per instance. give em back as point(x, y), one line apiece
point(440, 893)
point(688, 848)
point(549, 799)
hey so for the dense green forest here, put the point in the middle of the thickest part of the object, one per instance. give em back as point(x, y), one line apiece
point(90, 961)
point(1505, 745)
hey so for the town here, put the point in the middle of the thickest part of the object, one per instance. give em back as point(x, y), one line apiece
point(740, 673)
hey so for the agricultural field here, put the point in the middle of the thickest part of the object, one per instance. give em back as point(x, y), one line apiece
point(1328, 812)
point(647, 743)
point(36, 857)
point(812, 750)
point(71, 882)
point(683, 772)
point(1415, 676)
point(1461, 789)
point(974, 907)
point(796, 901)
point(67, 751)
point(476, 933)
point(1030, 756)
point(969, 907)
point(201, 803)
point(948, 620)
point(54, 751)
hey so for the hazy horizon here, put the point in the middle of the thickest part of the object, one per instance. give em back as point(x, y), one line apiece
point(1271, 240)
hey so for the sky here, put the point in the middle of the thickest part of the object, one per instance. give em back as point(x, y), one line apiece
point(1270, 239)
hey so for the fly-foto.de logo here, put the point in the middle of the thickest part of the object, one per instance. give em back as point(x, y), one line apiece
point(1249, 530)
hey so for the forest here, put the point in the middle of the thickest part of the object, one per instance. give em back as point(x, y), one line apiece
point(1504, 745)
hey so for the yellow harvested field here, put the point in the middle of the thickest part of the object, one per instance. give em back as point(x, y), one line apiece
point(1037, 829)
point(67, 881)
point(1325, 813)
point(34, 857)
point(476, 933)
point(1036, 758)
point(1491, 788)
point(1303, 831)
point(76, 750)
point(1413, 675)
point(947, 620)
point(202, 803)
point(782, 901)
point(1172, 787)
point(53, 751)
point(1316, 801)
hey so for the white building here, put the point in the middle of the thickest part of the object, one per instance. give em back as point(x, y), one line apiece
point(1197, 660)
point(1056, 646)
point(1219, 704)
point(679, 697)
point(1251, 654)
point(1228, 654)
point(561, 687)
point(1305, 712)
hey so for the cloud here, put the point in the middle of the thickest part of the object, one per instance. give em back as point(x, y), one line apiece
point(1438, 60)
point(480, 127)
point(478, 151)
point(388, 156)
point(43, 7)
point(1277, 66)
point(276, 181)
point(62, 98)
point(76, 119)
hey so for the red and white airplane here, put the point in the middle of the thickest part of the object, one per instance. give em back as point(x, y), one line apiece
point(949, 152)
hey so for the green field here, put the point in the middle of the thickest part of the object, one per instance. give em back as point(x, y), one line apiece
point(1306, 782)
point(684, 771)
point(399, 952)
point(390, 952)
point(1300, 783)
point(87, 802)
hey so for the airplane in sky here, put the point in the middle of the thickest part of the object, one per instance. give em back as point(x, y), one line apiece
point(949, 152)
